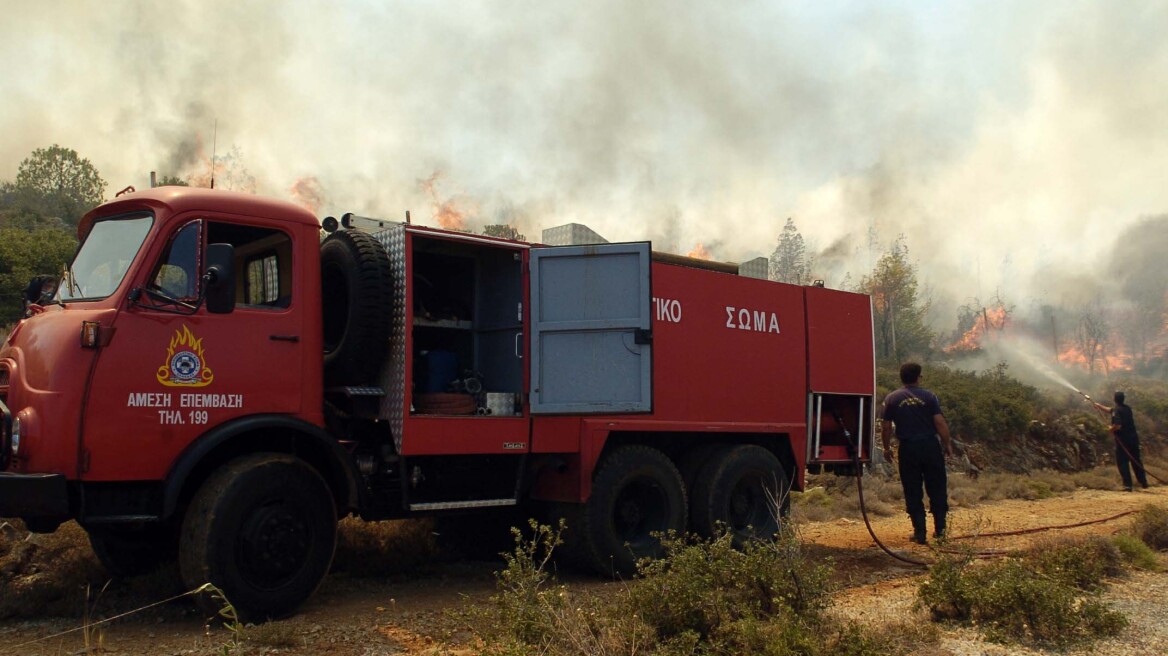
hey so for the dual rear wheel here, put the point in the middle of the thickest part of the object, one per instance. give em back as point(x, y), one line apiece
point(639, 494)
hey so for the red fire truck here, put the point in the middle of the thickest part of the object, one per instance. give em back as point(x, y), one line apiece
point(216, 384)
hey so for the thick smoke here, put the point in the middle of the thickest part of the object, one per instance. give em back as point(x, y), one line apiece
point(1009, 143)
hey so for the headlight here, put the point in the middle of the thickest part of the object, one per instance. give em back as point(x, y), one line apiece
point(15, 436)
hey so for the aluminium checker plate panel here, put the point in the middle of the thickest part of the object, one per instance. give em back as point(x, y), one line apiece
point(393, 375)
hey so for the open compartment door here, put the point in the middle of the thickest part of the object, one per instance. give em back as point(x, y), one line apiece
point(591, 345)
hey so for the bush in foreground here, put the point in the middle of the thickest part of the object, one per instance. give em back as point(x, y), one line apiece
point(1151, 527)
point(703, 597)
point(1045, 597)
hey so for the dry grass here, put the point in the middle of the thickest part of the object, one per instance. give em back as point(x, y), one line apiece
point(46, 574)
point(272, 634)
point(366, 549)
point(830, 497)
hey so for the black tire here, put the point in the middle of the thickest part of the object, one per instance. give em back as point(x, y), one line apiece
point(357, 307)
point(262, 529)
point(637, 493)
point(740, 490)
point(133, 551)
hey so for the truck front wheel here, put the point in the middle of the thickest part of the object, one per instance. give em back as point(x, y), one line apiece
point(741, 490)
point(637, 494)
point(262, 529)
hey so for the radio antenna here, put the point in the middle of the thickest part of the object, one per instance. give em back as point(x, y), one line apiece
point(214, 145)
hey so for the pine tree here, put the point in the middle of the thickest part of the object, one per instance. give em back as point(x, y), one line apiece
point(790, 262)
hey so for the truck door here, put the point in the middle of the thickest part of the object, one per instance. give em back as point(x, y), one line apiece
point(172, 371)
point(591, 345)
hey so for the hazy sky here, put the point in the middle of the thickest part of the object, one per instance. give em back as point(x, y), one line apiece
point(1008, 141)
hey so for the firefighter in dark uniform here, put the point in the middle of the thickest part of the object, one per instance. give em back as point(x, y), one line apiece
point(1127, 442)
point(916, 413)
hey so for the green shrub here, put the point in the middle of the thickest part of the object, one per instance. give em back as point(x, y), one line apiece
point(1135, 553)
point(533, 614)
point(989, 405)
point(706, 586)
point(704, 597)
point(1151, 527)
point(1037, 599)
point(1081, 563)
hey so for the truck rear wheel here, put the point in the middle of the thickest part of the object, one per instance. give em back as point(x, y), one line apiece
point(357, 306)
point(637, 492)
point(262, 529)
point(740, 490)
point(125, 551)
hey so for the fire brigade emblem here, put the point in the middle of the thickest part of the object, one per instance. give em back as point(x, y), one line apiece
point(185, 364)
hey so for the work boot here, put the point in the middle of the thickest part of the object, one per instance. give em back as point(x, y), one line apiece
point(939, 525)
point(919, 533)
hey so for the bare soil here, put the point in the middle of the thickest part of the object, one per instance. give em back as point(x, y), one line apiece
point(417, 614)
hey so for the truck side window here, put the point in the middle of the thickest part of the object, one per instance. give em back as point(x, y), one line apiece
point(263, 263)
point(177, 272)
point(262, 286)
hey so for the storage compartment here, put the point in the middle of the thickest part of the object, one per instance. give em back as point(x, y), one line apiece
point(837, 424)
point(466, 318)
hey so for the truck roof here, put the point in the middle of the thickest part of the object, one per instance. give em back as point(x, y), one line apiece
point(182, 199)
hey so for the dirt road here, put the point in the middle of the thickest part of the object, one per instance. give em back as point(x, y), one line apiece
point(372, 617)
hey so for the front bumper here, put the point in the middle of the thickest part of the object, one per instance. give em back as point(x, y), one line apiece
point(33, 496)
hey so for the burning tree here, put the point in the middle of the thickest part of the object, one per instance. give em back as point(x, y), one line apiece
point(1091, 333)
point(977, 321)
point(898, 312)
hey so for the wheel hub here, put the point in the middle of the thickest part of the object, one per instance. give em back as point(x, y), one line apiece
point(274, 545)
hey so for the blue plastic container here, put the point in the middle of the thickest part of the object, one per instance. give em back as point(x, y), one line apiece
point(438, 369)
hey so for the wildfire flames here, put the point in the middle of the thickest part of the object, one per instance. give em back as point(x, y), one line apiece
point(1103, 361)
point(699, 252)
point(307, 193)
point(1104, 355)
point(227, 171)
point(991, 319)
point(446, 212)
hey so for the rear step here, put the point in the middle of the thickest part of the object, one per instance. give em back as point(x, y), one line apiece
point(454, 505)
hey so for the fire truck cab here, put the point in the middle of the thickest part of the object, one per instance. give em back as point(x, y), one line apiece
point(216, 384)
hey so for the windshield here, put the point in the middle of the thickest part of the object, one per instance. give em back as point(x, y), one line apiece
point(104, 257)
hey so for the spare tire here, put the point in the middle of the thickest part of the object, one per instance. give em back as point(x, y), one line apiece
point(357, 306)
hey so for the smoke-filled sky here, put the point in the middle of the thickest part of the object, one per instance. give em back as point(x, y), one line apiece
point(1010, 142)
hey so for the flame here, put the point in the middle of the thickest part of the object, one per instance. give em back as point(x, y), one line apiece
point(990, 319)
point(699, 252)
point(446, 212)
point(227, 171)
point(1104, 361)
point(307, 193)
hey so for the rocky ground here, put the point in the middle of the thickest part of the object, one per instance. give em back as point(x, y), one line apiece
point(417, 614)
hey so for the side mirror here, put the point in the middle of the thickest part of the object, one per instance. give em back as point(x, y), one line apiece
point(220, 278)
point(40, 290)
